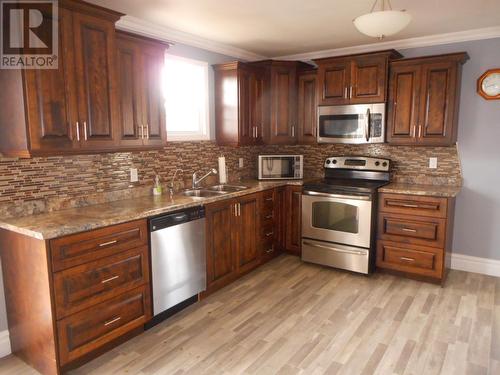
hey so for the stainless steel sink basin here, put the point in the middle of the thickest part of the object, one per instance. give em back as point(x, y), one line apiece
point(227, 188)
point(201, 193)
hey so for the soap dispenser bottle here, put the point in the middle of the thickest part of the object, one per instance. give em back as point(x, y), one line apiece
point(157, 190)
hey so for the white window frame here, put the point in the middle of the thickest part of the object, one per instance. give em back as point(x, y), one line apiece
point(204, 133)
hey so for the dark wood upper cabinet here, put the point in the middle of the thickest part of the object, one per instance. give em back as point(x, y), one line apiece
point(239, 104)
point(94, 46)
point(424, 95)
point(70, 109)
point(354, 79)
point(142, 105)
point(307, 107)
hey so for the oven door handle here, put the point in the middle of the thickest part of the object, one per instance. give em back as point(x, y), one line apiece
point(367, 125)
point(341, 196)
point(355, 252)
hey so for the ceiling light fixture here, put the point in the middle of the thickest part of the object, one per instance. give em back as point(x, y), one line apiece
point(384, 22)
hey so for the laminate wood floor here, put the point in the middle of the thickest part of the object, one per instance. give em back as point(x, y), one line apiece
point(289, 317)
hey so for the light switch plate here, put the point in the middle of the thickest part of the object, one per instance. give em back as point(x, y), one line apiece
point(134, 176)
point(241, 164)
point(433, 163)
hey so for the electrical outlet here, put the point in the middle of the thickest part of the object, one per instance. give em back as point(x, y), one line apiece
point(134, 176)
point(241, 163)
point(433, 163)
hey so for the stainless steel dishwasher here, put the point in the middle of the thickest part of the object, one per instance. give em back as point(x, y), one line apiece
point(178, 260)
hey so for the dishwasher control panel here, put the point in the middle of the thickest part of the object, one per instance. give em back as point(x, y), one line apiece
point(176, 218)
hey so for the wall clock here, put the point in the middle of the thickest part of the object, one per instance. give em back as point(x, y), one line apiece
point(488, 85)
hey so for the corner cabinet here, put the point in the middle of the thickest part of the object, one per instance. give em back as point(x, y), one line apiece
point(239, 104)
point(424, 97)
point(357, 79)
point(141, 105)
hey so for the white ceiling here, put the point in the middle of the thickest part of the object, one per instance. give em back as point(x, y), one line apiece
point(280, 27)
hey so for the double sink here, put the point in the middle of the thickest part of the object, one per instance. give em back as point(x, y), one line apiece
point(212, 191)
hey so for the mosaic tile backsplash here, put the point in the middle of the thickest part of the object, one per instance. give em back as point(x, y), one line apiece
point(29, 186)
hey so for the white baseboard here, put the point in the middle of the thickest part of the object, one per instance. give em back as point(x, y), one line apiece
point(469, 263)
point(4, 344)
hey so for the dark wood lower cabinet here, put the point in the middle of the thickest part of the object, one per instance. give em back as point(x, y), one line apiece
point(294, 219)
point(415, 234)
point(67, 301)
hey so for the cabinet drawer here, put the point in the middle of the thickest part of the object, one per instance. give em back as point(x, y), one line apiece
point(267, 231)
point(84, 247)
point(267, 202)
point(83, 286)
point(268, 247)
point(413, 205)
point(90, 329)
point(422, 231)
point(410, 258)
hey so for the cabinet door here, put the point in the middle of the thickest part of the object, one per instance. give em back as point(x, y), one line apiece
point(283, 105)
point(51, 97)
point(248, 233)
point(280, 221)
point(221, 252)
point(307, 108)
point(257, 102)
point(153, 102)
point(128, 62)
point(437, 109)
point(368, 79)
point(244, 108)
point(403, 106)
point(334, 82)
point(94, 45)
point(294, 222)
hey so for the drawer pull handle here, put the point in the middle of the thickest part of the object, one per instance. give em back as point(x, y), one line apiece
point(269, 199)
point(108, 243)
point(110, 279)
point(410, 205)
point(407, 259)
point(270, 250)
point(409, 230)
point(109, 322)
point(269, 216)
point(269, 234)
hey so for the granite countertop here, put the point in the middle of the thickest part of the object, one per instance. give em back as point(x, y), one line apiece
point(61, 223)
point(445, 191)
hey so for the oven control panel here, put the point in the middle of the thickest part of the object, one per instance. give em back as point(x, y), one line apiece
point(362, 163)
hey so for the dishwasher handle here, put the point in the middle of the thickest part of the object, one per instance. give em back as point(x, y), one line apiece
point(176, 218)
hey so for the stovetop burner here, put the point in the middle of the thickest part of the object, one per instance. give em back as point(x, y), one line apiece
point(352, 174)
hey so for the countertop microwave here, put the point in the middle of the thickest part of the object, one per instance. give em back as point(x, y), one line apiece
point(278, 167)
point(354, 123)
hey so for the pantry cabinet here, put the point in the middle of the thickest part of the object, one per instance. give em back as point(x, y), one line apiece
point(356, 79)
point(424, 96)
point(141, 103)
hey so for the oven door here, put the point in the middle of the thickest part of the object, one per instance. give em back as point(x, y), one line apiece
point(338, 218)
point(360, 123)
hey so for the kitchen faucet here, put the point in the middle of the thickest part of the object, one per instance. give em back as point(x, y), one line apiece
point(196, 180)
point(171, 186)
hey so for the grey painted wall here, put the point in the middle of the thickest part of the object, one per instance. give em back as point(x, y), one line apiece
point(477, 217)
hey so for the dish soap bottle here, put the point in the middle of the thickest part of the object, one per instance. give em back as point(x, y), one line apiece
point(157, 190)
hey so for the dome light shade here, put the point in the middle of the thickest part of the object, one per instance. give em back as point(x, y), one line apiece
point(382, 23)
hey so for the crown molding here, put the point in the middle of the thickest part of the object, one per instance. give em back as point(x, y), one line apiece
point(422, 41)
point(172, 36)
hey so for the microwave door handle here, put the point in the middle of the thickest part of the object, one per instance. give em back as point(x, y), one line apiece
point(367, 125)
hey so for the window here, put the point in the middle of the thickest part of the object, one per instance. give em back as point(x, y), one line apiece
point(186, 99)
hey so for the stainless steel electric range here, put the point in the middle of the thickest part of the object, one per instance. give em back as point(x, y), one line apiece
point(339, 213)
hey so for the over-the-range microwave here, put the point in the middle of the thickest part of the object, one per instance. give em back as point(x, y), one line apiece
point(354, 123)
point(276, 167)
